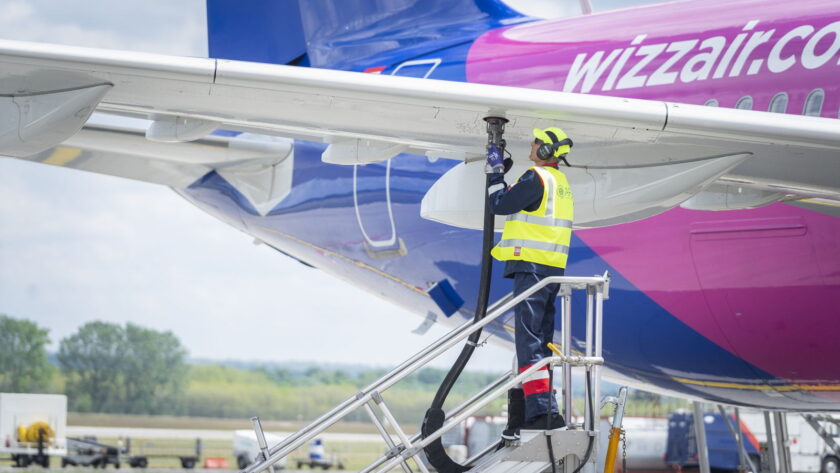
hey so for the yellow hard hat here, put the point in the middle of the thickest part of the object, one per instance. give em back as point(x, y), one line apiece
point(556, 142)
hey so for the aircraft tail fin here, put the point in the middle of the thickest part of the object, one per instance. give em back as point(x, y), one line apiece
point(341, 33)
point(257, 30)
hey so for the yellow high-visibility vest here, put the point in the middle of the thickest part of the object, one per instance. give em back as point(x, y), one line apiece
point(542, 236)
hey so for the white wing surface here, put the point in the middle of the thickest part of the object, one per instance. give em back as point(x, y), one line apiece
point(632, 158)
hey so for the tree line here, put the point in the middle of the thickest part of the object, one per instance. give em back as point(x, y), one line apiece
point(102, 367)
point(128, 369)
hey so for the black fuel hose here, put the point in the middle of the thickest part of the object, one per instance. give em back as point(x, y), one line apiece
point(435, 416)
point(591, 425)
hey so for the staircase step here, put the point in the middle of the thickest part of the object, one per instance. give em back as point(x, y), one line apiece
point(530, 453)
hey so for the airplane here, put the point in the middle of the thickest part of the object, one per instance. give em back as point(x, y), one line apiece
point(350, 137)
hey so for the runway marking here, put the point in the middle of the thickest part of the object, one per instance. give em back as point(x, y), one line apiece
point(62, 156)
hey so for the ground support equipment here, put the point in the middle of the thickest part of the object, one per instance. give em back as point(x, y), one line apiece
point(828, 428)
point(573, 446)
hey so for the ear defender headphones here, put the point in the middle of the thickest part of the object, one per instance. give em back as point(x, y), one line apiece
point(546, 150)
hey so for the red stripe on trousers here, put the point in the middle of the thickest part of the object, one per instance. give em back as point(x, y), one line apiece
point(536, 386)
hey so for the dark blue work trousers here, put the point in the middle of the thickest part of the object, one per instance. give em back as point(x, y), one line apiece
point(534, 324)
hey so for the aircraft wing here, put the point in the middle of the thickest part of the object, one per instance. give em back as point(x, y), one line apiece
point(632, 158)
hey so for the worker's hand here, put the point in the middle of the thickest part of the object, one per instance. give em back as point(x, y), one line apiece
point(495, 162)
point(508, 164)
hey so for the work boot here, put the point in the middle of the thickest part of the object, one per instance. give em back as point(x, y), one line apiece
point(544, 422)
point(516, 413)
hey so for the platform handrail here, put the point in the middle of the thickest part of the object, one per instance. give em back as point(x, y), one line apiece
point(454, 412)
point(554, 360)
point(406, 368)
point(371, 387)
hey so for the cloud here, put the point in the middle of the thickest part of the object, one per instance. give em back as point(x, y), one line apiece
point(158, 26)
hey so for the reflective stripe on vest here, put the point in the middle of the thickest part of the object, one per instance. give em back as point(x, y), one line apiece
point(537, 245)
point(542, 236)
point(547, 221)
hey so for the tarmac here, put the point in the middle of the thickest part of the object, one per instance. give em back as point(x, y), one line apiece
point(205, 434)
point(70, 469)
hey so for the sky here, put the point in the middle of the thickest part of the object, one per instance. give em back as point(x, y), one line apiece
point(77, 247)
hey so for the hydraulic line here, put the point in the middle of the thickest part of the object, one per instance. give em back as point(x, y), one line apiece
point(435, 415)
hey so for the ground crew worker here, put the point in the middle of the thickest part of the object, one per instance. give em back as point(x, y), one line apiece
point(535, 245)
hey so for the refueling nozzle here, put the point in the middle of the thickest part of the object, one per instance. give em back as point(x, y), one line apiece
point(495, 144)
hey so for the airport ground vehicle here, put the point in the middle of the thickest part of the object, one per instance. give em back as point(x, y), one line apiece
point(650, 438)
point(809, 453)
point(89, 452)
point(245, 447)
point(667, 444)
point(723, 448)
point(32, 427)
point(318, 458)
point(323, 463)
point(150, 450)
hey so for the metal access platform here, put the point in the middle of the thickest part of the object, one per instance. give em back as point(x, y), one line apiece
point(572, 449)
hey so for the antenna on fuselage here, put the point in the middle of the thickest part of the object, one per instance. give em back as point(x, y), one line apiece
point(586, 7)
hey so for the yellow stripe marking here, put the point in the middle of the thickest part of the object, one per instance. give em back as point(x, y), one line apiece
point(817, 202)
point(742, 386)
point(761, 387)
point(63, 155)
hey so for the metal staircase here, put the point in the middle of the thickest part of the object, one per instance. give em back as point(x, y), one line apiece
point(827, 427)
point(569, 446)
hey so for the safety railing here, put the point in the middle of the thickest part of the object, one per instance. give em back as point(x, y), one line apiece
point(597, 288)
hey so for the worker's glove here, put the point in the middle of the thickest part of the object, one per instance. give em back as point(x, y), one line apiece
point(495, 162)
point(508, 164)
